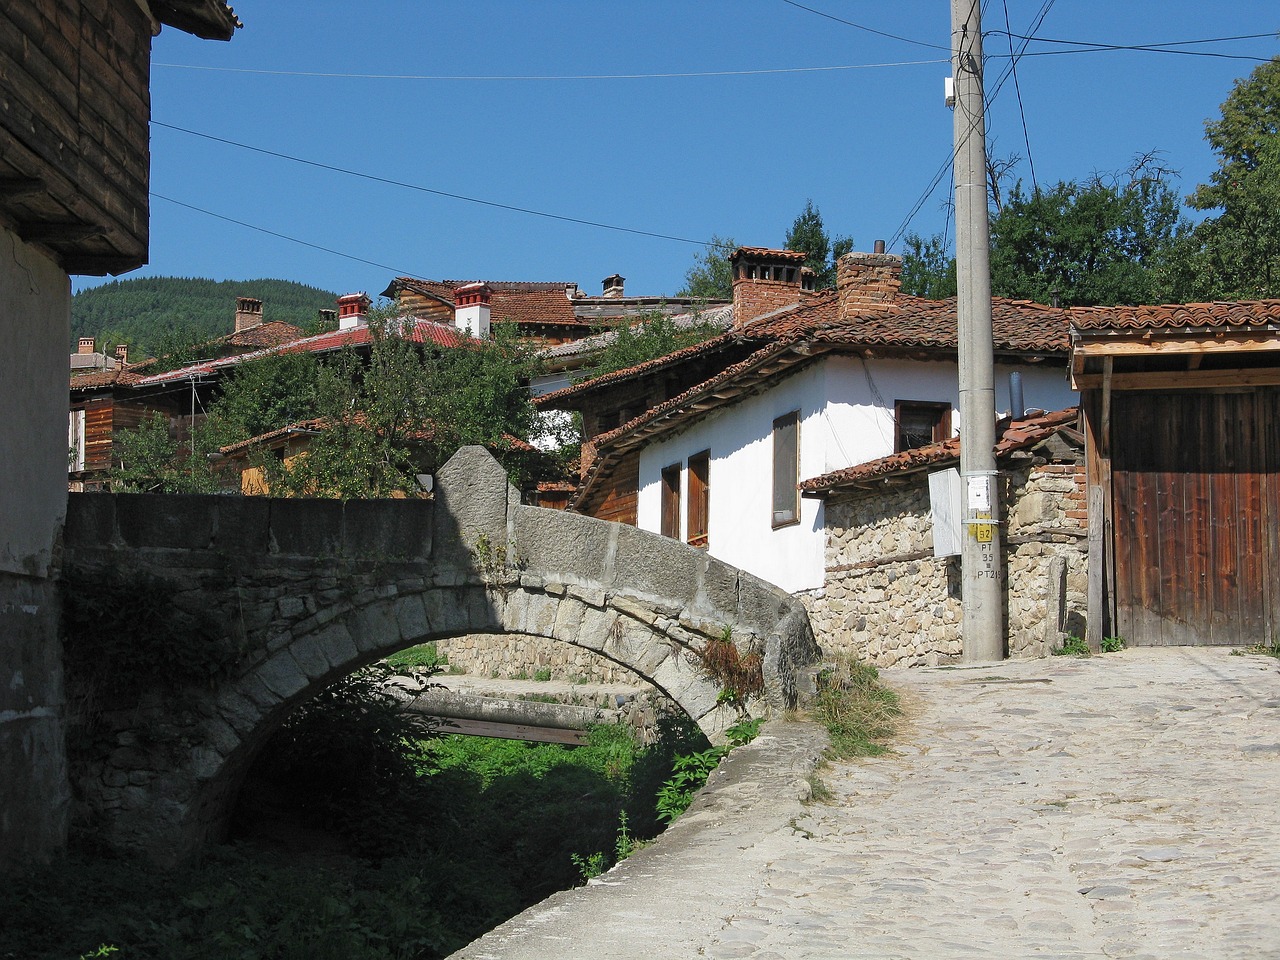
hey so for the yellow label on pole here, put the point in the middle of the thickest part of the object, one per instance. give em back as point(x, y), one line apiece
point(983, 532)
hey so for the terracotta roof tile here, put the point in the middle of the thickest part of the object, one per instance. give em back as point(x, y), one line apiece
point(1016, 436)
point(1179, 316)
point(270, 334)
point(509, 301)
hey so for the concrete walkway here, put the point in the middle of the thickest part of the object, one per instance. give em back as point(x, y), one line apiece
point(1120, 806)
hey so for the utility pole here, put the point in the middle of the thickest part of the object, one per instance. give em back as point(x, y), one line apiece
point(982, 574)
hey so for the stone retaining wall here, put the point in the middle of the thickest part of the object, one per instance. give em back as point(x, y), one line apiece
point(889, 601)
point(515, 656)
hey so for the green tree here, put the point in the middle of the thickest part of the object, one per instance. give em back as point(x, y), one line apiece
point(653, 335)
point(711, 276)
point(149, 460)
point(1236, 254)
point(809, 236)
point(1104, 240)
point(927, 269)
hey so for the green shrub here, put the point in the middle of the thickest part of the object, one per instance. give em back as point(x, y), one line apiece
point(423, 655)
point(1112, 644)
point(1072, 647)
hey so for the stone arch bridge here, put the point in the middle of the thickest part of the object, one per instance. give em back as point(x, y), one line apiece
point(310, 590)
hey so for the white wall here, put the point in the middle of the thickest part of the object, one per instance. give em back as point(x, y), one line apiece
point(846, 417)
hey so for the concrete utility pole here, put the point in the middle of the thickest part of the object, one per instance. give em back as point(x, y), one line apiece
point(982, 574)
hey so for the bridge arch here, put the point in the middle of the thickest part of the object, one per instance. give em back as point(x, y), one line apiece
point(312, 590)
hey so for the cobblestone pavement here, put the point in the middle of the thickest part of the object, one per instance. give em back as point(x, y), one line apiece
point(1117, 806)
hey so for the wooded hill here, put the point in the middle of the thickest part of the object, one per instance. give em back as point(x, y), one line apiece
point(156, 314)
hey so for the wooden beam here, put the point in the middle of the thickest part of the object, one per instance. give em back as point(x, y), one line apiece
point(1183, 379)
point(1240, 343)
point(19, 188)
point(53, 232)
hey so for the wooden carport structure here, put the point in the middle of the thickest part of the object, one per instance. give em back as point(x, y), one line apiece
point(1181, 407)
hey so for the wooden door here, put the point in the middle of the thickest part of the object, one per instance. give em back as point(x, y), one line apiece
point(1195, 508)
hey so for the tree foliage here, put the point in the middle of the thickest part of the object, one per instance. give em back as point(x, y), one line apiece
point(809, 236)
point(156, 315)
point(1103, 240)
point(927, 269)
point(711, 276)
point(1236, 254)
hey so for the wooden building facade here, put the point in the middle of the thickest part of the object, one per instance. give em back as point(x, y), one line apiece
point(1182, 411)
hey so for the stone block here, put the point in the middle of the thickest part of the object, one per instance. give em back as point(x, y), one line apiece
point(335, 645)
point(242, 526)
point(411, 615)
point(472, 502)
point(387, 529)
point(166, 520)
point(565, 547)
point(282, 675)
point(91, 520)
point(656, 566)
point(306, 528)
point(374, 628)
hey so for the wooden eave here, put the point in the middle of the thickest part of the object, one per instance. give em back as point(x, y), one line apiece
point(206, 19)
point(1174, 360)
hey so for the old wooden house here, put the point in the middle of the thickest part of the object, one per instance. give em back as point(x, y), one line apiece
point(1182, 409)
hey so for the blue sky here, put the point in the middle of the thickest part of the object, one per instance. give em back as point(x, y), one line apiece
point(682, 156)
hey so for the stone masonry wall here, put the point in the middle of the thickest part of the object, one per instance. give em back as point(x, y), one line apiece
point(890, 602)
point(511, 656)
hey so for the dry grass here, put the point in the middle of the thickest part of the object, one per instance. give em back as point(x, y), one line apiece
point(860, 713)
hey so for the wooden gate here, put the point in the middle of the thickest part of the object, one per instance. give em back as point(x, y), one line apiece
point(1195, 510)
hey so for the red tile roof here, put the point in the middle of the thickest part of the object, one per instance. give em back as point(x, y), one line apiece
point(1018, 435)
point(270, 334)
point(509, 301)
point(1179, 316)
point(423, 331)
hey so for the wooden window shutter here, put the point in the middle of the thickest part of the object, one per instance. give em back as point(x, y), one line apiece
point(786, 469)
point(671, 501)
point(699, 498)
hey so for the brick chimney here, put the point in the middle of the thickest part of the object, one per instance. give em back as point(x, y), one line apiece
point(248, 313)
point(471, 309)
point(867, 280)
point(122, 354)
point(613, 285)
point(766, 280)
point(86, 345)
point(351, 310)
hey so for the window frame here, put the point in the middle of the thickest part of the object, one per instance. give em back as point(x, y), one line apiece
point(698, 507)
point(670, 493)
point(940, 412)
point(786, 490)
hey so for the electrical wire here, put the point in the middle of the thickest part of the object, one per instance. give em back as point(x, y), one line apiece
point(439, 193)
point(282, 236)
point(859, 26)
point(551, 77)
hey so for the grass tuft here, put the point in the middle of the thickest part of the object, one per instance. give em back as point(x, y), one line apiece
point(859, 712)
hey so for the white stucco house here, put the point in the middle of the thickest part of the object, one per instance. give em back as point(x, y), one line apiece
point(710, 444)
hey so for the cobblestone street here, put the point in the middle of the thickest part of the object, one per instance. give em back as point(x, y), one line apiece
point(1117, 806)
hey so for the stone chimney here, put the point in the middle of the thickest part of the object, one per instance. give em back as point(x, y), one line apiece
point(471, 309)
point(766, 280)
point(248, 313)
point(351, 310)
point(122, 353)
point(613, 286)
point(86, 345)
point(867, 280)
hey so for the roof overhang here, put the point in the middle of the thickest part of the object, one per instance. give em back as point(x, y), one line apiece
point(1163, 359)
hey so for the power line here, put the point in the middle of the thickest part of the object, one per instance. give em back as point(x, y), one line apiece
point(282, 236)
point(548, 77)
point(859, 26)
point(430, 190)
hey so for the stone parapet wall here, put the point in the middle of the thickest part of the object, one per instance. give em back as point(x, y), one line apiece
point(887, 600)
point(514, 656)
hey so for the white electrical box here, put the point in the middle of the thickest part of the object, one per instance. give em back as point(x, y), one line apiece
point(949, 90)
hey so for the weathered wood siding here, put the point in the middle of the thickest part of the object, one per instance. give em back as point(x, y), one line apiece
point(74, 119)
point(617, 496)
point(1196, 511)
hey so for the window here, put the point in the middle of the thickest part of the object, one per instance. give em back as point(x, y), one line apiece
point(671, 501)
point(786, 469)
point(918, 423)
point(75, 442)
point(699, 498)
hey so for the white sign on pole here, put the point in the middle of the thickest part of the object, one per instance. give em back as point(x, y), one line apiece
point(944, 504)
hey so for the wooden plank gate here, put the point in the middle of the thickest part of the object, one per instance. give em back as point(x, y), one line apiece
point(1196, 509)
